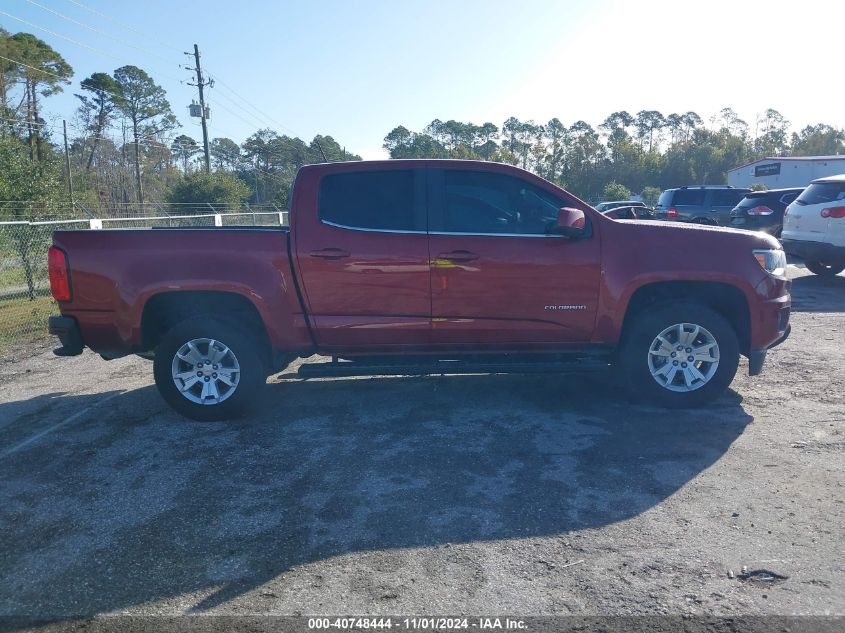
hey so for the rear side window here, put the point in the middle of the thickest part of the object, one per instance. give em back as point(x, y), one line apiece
point(694, 197)
point(822, 192)
point(379, 200)
point(726, 197)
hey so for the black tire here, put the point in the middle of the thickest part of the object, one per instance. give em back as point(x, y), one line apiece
point(824, 270)
point(247, 352)
point(704, 221)
point(651, 321)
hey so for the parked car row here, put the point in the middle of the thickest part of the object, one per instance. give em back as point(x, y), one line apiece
point(810, 221)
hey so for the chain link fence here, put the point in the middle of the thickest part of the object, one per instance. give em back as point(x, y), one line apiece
point(25, 300)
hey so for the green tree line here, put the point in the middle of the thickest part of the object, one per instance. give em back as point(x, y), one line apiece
point(640, 153)
point(125, 146)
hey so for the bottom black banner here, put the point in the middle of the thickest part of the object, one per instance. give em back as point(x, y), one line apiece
point(385, 623)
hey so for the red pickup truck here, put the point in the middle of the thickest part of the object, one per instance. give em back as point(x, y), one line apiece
point(424, 266)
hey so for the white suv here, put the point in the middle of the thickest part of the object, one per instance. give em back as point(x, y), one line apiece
point(814, 226)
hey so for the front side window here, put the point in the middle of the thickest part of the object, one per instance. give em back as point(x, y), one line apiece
point(376, 200)
point(822, 192)
point(486, 202)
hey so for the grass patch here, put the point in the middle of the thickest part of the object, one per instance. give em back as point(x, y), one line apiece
point(12, 277)
point(22, 320)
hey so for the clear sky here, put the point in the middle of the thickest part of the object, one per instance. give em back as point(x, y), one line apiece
point(355, 69)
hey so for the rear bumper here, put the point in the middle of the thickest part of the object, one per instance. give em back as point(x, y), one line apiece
point(814, 251)
point(767, 224)
point(67, 329)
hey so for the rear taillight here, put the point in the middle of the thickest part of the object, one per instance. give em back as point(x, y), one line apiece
point(59, 274)
point(760, 210)
point(833, 212)
point(672, 213)
point(786, 210)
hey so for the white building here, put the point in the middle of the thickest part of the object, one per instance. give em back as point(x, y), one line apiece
point(777, 173)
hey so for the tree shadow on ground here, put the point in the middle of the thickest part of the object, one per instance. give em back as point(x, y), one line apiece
point(132, 504)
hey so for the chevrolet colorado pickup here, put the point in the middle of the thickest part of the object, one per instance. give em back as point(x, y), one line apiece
point(424, 266)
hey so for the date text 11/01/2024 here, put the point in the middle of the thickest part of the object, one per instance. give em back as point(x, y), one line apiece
point(416, 623)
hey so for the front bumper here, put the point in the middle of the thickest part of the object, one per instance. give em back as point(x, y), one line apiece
point(814, 251)
point(67, 329)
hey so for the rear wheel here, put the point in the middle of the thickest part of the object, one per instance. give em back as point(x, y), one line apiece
point(824, 270)
point(208, 369)
point(680, 355)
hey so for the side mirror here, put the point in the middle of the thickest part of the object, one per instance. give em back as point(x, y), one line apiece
point(570, 222)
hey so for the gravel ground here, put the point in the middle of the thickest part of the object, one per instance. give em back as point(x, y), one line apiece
point(468, 494)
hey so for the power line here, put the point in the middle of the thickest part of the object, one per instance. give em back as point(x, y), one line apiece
point(64, 37)
point(142, 140)
point(97, 31)
point(255, 107)
point(122, 24)
point(78, 43)
point(260, 123)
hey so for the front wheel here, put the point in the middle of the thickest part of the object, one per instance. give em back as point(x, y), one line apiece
point(680, 355)
point(824, 270)
point(207, 369)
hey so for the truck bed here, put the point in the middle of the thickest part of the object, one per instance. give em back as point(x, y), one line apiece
point(115, 273)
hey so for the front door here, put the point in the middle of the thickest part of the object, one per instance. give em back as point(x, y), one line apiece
point(363, 258)
point(498, 279)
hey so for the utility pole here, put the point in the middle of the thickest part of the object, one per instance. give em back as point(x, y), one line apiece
point(257, 166)
point(202, 84)
point(67, 165)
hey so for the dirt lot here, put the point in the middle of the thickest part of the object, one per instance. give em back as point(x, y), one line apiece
point(471, 494)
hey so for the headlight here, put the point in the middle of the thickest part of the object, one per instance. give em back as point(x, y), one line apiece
point(772, 261)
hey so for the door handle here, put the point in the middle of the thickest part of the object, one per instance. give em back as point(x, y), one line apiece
point(458, 256)
point(330, 253)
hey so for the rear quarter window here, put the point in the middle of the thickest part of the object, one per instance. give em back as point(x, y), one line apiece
point(377, 200)
point(665, 198)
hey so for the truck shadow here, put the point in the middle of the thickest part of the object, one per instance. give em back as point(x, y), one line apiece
point(812, 293)
point(133, 504)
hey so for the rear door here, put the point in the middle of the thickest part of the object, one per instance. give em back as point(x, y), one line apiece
point(362, 256)
point(498, 279)
point(721, 201)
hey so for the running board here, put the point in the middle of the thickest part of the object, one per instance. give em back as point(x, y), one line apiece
point(351, 368)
